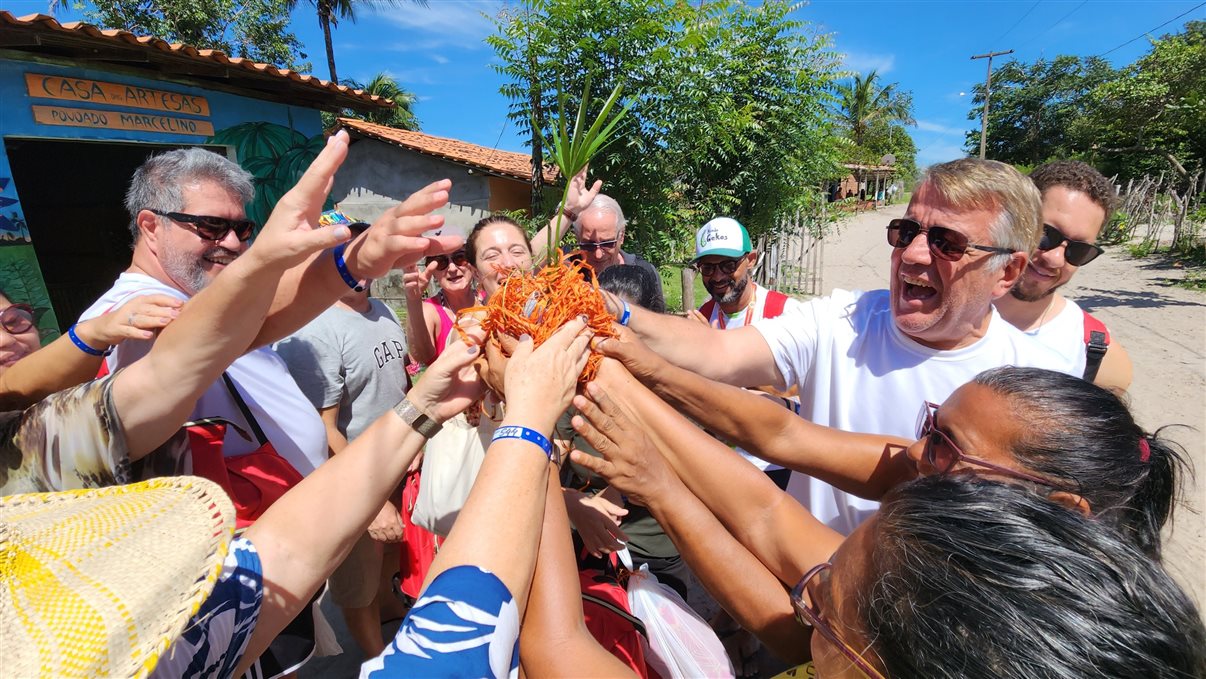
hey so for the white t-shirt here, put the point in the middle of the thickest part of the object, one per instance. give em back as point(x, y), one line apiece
point(756, 311)
point(1065, 335)
point(286, 416)
point(858, 372)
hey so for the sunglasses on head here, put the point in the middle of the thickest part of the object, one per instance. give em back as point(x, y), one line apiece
point(458, 258)
point(1078, 253)
point(945, 243)
point(17, 318)
point(943, 455)
point(727, 267)
point(211, 228)
point(592, 245)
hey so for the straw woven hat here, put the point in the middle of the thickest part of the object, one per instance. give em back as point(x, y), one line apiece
point(100, 582)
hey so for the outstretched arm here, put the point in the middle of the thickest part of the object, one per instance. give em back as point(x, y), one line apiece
point(578, 199)
point(154, 395)
point(781, 533)
point(867, 465)
point(746, 588)
point(555, 641)
point(1116, 371)
point(61, 365)
point(420, 324)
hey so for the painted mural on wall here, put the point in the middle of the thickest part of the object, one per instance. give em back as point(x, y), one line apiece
point(275, 155)
point(20, 277)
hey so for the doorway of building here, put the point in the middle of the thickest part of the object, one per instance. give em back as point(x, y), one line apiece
point(71, 193)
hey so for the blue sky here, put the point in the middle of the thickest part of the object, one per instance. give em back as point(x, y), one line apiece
point(438, 52)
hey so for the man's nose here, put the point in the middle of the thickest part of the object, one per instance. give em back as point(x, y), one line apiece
point(597, 254)
point(917, 251)
point(231, 242)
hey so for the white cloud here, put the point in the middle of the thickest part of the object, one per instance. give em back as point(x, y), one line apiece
point(939, 128)
point(864, 62)
point(442, 24)
point(439, 58)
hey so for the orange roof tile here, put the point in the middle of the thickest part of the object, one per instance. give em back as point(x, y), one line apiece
point(505, 163)
point(46, 34)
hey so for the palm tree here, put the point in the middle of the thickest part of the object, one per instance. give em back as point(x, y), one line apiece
point(331, 11)
point(862, 102)
point(402, 115)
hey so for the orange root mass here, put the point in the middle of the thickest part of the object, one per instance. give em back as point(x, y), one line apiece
point(538, 304)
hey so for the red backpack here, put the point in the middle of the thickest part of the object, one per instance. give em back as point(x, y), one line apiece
point(1097, 342)
point(610, 621)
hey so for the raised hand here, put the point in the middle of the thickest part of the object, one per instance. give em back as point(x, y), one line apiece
point(579, 197)
point(139, 319)
point(451, 383)
point(542, 380)
point(292, 232)
point(630, 462)
point(415, 279)
point(597, 521)
point(396, 240)
point(637, 357)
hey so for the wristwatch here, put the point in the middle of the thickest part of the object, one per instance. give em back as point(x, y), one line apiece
point(416, 419)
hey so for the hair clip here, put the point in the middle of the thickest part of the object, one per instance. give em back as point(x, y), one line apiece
point(1145, 449)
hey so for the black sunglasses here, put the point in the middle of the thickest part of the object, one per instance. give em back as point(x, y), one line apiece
point(727, 267)
point(944, 243)
point(211, 228)
point(17, 318)
point(458, 258)
point(1079, 253)
point(591, 246)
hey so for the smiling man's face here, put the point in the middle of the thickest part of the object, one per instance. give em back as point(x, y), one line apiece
point(189, 260)
point(1077, 217)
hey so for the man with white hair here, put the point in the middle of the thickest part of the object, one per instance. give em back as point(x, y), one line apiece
point(598, 223)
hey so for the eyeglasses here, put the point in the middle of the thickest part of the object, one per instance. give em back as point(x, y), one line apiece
point(458, 258)
point(945, 243)
point(1079, 252)
point(592, 245)
point(211, 228)
point(726, 267)
point(809, 615)
point(950, 454)
point(17, 318)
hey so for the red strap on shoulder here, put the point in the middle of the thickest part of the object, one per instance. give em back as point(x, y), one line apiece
point(707, 307)
point(775, 303)
point(1092, 324)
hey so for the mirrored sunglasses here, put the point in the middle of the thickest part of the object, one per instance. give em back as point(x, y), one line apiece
point(211, 228)
point(1078, 253)
point(944, 243)
point(592, 245)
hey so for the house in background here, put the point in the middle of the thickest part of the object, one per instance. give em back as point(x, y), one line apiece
point(385, 165)
point(83, 107)
point(869, 184)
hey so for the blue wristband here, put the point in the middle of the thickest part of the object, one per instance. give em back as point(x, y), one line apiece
point(529, 435)
point(342, 267)
point(626, 314)
point(75, 339)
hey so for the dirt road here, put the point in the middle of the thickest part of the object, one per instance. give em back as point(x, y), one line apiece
point(1162, 326)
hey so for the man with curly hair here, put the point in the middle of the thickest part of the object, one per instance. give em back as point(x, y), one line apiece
point(1077, 203)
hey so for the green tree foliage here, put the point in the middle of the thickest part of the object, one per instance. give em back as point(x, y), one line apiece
point(1153, 116)
point(330, 12)
point(401, 116)
point(873, 116)
point(1034, 107)
point(1146, 118)
point(252, 29)
point(729, 106)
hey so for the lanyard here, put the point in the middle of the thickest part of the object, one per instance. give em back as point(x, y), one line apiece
point(721, 318)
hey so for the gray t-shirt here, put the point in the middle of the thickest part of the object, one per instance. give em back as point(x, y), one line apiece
point(356, 360)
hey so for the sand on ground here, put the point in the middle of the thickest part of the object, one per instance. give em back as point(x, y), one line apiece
point(1162, 326)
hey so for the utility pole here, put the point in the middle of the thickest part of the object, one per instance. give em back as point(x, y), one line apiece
point(987, 95)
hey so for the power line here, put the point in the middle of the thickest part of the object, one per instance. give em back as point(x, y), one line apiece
point(1061, 20)
point(1153, 29)
point(1015, 24)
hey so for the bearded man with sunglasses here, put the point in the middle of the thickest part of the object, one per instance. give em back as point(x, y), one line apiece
point(857, 356)
point(1077, 202)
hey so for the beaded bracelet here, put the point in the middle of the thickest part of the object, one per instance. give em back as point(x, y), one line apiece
point(342, 267)
point(529, 435)
point(626, 315)
point(83, 346)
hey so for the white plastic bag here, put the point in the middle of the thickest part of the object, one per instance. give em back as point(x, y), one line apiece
point(682, 644)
